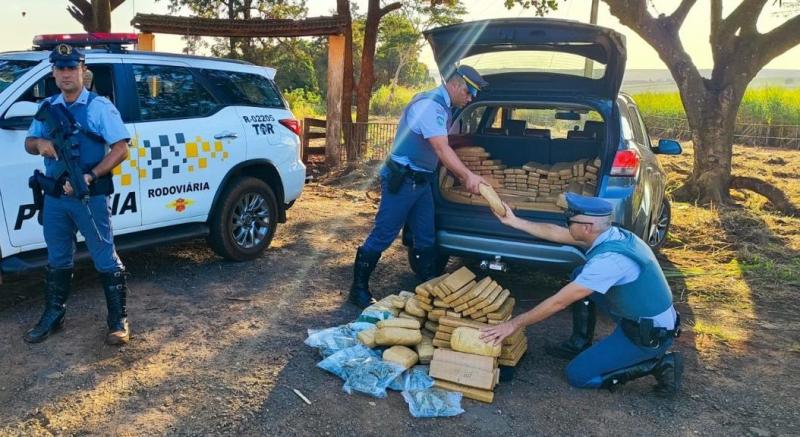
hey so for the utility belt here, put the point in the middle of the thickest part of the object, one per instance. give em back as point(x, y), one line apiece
point(398, 173)
point(42, 185)
point(643, 333)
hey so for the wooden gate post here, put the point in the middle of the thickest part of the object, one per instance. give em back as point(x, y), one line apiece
point(333, 116)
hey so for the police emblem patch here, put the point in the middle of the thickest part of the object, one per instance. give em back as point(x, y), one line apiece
point(440, 120)
point(64, 49)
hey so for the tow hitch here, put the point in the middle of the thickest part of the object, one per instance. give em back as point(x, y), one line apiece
point(497, 264)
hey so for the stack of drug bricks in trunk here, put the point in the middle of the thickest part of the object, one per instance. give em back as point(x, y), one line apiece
point(532, 186)
point(456, 306)
point(403, 334)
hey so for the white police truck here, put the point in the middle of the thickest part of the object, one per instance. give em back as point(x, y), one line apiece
point(214, 148)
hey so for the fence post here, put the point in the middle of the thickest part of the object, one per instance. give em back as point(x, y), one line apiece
point(304, 140)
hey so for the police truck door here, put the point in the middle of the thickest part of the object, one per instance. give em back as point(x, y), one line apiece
point(186, 142)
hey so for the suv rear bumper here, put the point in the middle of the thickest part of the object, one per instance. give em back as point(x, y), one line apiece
point(528, 252)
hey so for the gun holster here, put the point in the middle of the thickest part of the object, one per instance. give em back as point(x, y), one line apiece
point(397, 175)
point(41, 185)
point(644, 333)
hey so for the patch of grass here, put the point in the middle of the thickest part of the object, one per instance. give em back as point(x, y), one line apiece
point(717, 332)
point(765, 105)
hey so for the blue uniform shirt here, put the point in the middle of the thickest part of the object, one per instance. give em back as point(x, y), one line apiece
point(608, 269)
point(427, 118)
point(103, 119)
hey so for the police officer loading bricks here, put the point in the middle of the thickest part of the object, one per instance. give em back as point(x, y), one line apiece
point(622, 277)
point(406, 196)
point(71, 131)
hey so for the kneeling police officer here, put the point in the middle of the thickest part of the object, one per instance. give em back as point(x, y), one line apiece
point(96, 124)
point(621, 276)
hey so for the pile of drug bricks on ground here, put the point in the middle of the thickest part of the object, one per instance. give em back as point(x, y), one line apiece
point(532, 186)
point(441, 322)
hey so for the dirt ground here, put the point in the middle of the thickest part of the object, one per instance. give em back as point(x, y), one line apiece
point(217, 348)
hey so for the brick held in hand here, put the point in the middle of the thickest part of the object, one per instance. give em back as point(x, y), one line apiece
point(494, 200)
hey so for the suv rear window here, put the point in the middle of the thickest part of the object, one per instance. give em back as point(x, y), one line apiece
point(533, 61)
point(245, 89)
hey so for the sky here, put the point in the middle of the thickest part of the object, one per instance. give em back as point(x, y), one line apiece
point(51, 16)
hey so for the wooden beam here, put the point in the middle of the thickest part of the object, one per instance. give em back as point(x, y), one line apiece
point(333, 127)
point(243, 28)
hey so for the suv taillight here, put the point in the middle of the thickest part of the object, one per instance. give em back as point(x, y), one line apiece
point(291, 124)
point(626, 163)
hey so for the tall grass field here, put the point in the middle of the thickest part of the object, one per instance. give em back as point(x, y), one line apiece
point(768, 105)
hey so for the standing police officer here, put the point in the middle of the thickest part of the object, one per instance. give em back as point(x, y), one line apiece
point(624, 278)
point(406, 195)
point(100, 126)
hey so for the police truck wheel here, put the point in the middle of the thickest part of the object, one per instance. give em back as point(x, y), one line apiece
point(244, 221)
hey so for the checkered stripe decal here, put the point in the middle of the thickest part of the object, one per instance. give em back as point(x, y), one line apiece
point(161, 157)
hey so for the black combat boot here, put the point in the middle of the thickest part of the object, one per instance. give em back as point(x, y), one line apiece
point(115, 287)
point(584, 318)
point(614, 379)
point(668, 373)
point(362, 268)
point(425, 260)
point(56, 292)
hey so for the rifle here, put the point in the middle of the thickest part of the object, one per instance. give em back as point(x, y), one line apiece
point(63, 129)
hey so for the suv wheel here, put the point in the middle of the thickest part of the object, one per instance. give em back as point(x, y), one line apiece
point(659, 230)
point(244, 221)
point(439, 264)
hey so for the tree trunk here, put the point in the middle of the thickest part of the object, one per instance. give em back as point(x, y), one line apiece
point(343, 9)
point(712, 123)
point(101, 11)
point(367, 76)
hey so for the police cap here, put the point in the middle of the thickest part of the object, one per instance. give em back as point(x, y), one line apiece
point(64, 55)
point(586, 205)
point(473, 79)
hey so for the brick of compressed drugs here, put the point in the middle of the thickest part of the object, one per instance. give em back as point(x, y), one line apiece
point(467, 340)
point(445, 328)
point(401, 355)
point(413, 307)
point(456, 304)
point(425, 350)
point(504, 310)
point(431, 326)
point(494, 306)
point(494, 200)
point(453, 314)
point(441, 335)
point(367, 337)
point(455, 323)
point(441, 344)
point(497, 322)
point(485, 294)
point(477, 394)
point(405, 315)
point(435, 314)
point(462, 368)
point(458, 279)
point(401, 336)
point(399, 323)
point(424, 306)
point(439, 303)
point(460, 292)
